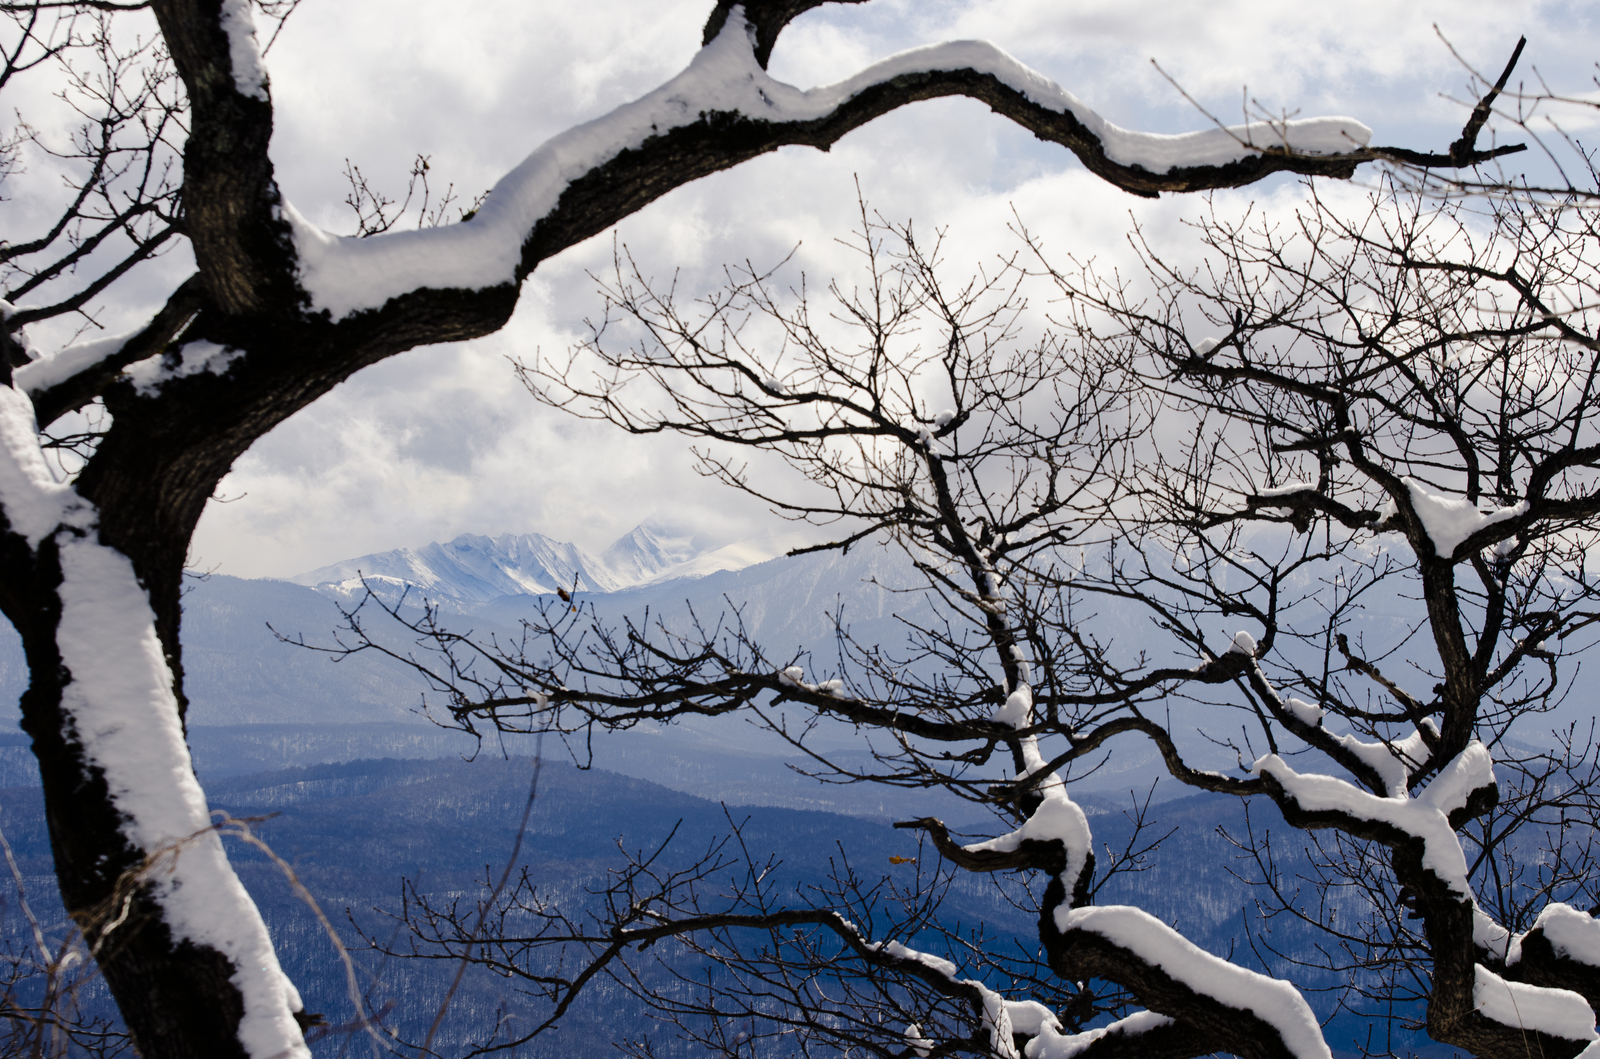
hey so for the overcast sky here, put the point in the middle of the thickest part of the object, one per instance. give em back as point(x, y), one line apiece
point(442, 440)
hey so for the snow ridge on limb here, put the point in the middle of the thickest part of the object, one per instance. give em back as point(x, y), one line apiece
point(1572, 934)
point(1005, 1019)
point(192, 358)
point(996, 1011)
point(123, 714)
point(1051, 1043)
point(1560, 951)
point(1057, 816)
point(33, 503)
point(1425, 818)
point(70, 378)
point(1203, 995)
point(1156, 945)
point(1386, 765)
point(344, 275)
point(1544, 1007)
point(56, 368)
point(244, 50)
point(1557, 1012)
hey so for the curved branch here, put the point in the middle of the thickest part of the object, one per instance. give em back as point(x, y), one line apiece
point(724, 109)
point(1172, 976)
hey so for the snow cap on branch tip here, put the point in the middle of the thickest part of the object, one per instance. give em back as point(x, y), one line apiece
point(1243, 643)
point(943, 419)
point(1206, 345)
point(1573, 934)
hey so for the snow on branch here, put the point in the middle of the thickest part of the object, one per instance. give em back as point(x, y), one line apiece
point(124, 714)
point(1005, 1019)
point(70, 378)
point(1386, 765)
point(120, 708)
point(1557, 1012)
point(56, 368)
point(344, 275)
point(1151, 958)
point(1561, 950)
point(1056, 818)
point(1156, 945)
point(1426, 819)
point(1574, 935)
point(244, 51)
point(34, 504)
point(1051, 1043)
point(192, 358)
point(1448, 521)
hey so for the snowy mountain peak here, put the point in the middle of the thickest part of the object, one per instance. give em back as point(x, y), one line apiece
point(645, 552)
point(472, 568)
point(475, 569)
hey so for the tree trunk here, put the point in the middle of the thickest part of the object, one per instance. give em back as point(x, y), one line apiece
point(141, 872)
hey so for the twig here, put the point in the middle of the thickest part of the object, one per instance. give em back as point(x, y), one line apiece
point(22, 900)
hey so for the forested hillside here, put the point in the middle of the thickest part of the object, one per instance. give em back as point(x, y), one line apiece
point(353, 831)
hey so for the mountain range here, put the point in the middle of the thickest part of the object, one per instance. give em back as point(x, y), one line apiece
point(477, 569)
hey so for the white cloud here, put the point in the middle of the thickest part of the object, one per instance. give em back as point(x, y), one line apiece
point(441, 441)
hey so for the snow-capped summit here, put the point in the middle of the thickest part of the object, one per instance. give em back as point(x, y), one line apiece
point(474, 569)
point(646, 551)
point(471, 568)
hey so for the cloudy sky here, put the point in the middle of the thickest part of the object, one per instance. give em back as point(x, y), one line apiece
point(443, 440)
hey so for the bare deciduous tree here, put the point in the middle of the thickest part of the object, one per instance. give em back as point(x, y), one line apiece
point(276, 314)
point(1348, 469)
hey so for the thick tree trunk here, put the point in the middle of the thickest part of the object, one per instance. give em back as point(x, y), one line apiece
point(181, 944)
